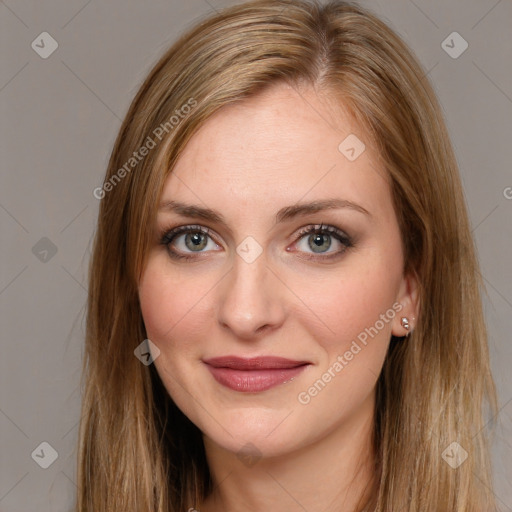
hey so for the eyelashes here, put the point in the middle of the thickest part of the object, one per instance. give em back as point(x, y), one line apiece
point(316, 237)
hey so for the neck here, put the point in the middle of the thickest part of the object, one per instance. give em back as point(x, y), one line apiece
point(332, 473)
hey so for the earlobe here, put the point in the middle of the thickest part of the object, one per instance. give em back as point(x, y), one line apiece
point(408, 297)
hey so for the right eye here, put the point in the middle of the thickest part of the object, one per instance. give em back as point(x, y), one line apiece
point(183, 241)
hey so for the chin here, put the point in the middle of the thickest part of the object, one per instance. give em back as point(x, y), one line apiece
point(257, 434)
point(256, 446)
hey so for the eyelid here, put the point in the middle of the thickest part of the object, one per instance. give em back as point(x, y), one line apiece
point(321, 228)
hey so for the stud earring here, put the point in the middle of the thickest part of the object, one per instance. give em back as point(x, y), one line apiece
point(405, 323)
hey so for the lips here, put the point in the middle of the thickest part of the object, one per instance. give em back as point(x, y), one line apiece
point(253, 374)
point(255, 363)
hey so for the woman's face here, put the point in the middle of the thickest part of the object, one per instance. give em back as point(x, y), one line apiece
point(250, 280)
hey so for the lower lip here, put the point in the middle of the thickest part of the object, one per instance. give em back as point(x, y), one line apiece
point(250, 381)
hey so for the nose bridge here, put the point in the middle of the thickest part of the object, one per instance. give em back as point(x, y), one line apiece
point(249, 297)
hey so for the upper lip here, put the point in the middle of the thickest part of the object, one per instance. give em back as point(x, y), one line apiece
point(254, 363)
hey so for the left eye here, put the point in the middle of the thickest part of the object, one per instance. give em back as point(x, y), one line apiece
point(319, 239)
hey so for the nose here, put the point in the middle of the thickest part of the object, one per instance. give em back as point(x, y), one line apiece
point(251, 299)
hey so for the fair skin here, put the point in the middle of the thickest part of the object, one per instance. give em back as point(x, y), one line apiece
point(296, 300)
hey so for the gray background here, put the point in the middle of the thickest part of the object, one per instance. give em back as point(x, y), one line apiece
point(60, 116)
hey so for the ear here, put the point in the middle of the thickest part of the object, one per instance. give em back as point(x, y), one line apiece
point(408, 298)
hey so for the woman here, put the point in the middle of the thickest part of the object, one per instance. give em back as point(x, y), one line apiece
point(285, 301)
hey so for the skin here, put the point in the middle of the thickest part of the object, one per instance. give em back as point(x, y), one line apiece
point(248, 161)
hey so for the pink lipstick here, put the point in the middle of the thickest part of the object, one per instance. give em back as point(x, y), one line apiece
point(254, 374)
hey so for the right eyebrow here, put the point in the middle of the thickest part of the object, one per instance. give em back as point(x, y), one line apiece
point(194, 211)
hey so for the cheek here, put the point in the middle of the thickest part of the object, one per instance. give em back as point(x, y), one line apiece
point(356, 314)
point(348, 303)
point(174, 311)
point(169, 301)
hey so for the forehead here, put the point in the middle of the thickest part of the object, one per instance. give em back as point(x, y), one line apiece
point(275, 149)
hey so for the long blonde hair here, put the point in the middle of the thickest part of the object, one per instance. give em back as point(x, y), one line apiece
point(137, 451)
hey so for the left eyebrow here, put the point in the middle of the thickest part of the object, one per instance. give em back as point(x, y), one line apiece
point(284, 214)
point(302, 209)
